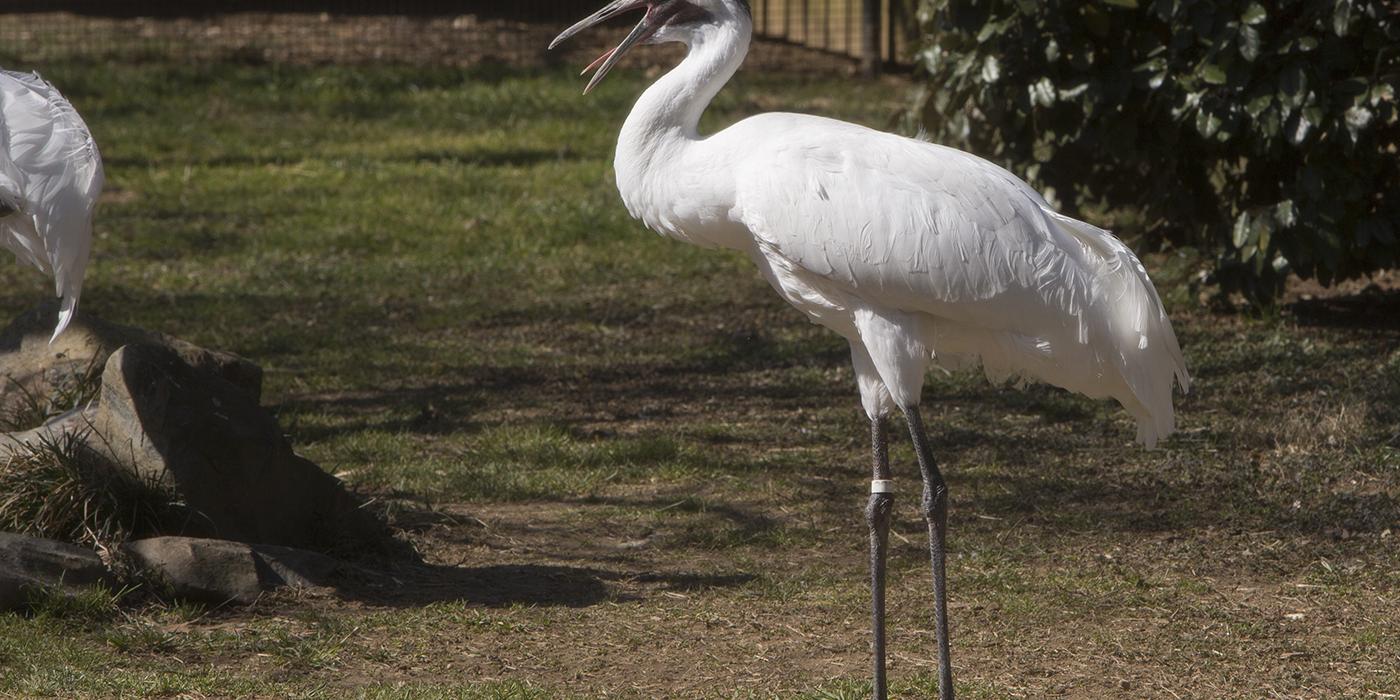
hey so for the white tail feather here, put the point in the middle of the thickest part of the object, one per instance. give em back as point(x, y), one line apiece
point(51, 176)
point(1145, 352)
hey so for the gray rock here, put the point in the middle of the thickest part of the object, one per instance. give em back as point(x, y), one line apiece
point(177, 415)
point(32, 367)
point(220, 571)
point(172, 424)
point(74, 422)
point(28, 562)
point(15, 588)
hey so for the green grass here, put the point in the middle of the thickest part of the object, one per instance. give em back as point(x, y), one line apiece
point(57, 488)
point(635, 473)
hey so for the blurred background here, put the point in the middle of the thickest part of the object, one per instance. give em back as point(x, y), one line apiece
point(443, 31)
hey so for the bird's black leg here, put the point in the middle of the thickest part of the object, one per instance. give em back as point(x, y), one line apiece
point(877, 516)
point(935, 507)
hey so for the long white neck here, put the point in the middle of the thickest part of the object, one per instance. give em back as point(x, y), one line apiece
point(672, 106)
point(664, 125)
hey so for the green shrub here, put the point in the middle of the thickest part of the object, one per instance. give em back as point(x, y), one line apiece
point(1264, 131)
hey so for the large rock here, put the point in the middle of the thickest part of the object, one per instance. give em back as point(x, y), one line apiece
point(32, 367)
point(208, 439)
point(32, 562)
point(219, 571)
point(178, 415)
point(74, 422)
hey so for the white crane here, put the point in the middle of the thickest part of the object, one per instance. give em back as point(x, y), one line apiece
point(915, 253)
point(50, 178)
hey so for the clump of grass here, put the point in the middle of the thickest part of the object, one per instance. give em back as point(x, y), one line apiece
point(142, 637)
point(93, 605)
point(842, 690)
point(32, 409)
point(60, 489)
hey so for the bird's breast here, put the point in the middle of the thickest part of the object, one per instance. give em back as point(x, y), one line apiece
point(683, 200)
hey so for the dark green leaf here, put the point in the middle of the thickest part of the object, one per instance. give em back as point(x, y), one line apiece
point(1256, 106)
point(1240, 235)
point(1254, 14)
point(1358, 118)
point(1042, 93)
point(991, 69)
point(1293, 86)
point(1249, 43)
point(1382, 92)
point(1207, 124)
point(1074, 92)
point(1270, 124)
point(1301, 127)
point(1341, 17)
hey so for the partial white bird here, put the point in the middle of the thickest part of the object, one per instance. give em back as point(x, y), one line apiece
point(50, 178)
point(916, 253)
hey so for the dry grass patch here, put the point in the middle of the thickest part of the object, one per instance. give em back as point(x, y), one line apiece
point(59, 489)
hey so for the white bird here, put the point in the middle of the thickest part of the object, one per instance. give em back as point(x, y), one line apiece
point(50, 178)
point(916, 253)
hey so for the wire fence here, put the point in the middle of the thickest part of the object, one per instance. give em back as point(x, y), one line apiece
point(838, 26)
point(460, 32)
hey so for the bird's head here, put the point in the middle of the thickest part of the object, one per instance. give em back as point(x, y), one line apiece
point(664, 21)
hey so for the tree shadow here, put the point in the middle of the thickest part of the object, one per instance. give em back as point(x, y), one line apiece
point(1186, 492)
point(534, 584)
point(478, 157)
point(394, 574)
point(1371, 309)
point(418, 584)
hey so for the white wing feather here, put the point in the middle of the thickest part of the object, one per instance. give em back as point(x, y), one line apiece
point(1002, 278)
point(51, 176)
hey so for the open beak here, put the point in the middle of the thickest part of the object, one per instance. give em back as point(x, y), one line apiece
point(605, 62)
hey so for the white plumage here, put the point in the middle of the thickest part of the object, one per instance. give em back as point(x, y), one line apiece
point(962, 258)
point(964, 261)
point(916, 253)
point(50, 178)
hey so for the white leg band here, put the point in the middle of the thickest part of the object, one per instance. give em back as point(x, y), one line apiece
point(882, 486)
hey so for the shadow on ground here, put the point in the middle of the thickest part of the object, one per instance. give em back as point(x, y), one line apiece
point(505, 585)
point(1372, 308)
point(606, 570)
